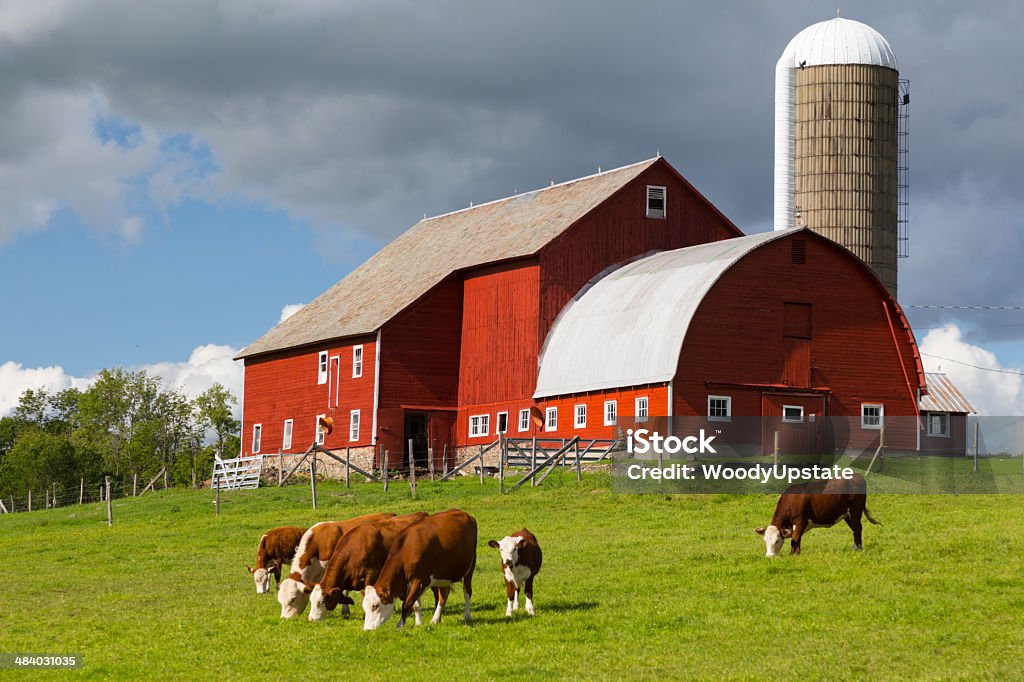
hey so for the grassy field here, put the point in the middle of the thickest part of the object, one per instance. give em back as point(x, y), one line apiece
point(633, 587)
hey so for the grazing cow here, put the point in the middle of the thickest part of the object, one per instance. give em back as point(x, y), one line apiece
point(817, 504)
point(311, 557)
point(277, 547)
point(520, 562)
point(436, 552)
point(356, 562)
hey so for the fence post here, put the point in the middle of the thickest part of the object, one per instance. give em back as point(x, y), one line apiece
point(280, 465)
point(312, 477)
point(579, 469)
point(165, 478)
point(775, 451)
point(135, 483)
point(217, 484)
point(430, 461)
point(46, 498)
point(30, 500)
point(81, 491)
point(384, 469)
point(501, 463)
point(533, 462)
point(348, 463)
point(412, 469)
point(975, 446)
point(444, 461)
point(481, 465)
point(110, 506)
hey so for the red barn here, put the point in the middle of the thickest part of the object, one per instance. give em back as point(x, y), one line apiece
point(598, 299)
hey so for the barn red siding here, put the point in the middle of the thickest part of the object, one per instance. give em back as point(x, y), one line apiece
point(737, 337)
point(619, 230)
point(285, 386)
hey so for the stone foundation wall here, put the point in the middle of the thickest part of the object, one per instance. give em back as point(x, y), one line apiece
point(325, 466)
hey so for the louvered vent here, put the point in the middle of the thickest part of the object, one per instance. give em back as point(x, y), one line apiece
point(799, 251)
point(655, 202)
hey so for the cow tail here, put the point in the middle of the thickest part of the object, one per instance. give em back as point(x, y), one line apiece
point(868, 514)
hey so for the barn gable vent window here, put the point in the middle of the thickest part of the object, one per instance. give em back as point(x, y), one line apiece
point(357, 362)
point(321, 377)
point(286, 444)
point(257, 436)
point(611, 412)
point(479, 425)
point(938, 424)
point(551, 419)
point(872, 415)
point(719, 408)
point(655, 201)
point(641, 409)
point(798, 251)
point(524, 420)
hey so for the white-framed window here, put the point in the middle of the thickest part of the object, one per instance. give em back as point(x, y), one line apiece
point(793, 414)
point(320, 433)
point(502, 422)
point(286, 442)
point(640, 408)
point(611, 412)
point(938, 424)
point(580, 422)
point(551, 419)
point(719, 408)
point(257, 436)
point(655, 201)
point(479, 425)
point(872, 415)
point(353, 426)
point(321, 375)
point(524, 420)
point(357, 362)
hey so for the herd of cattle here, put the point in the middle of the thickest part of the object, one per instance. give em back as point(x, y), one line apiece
point(394, 559)
point(389, 559)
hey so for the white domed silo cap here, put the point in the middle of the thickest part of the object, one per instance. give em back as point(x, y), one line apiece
point(839, 41)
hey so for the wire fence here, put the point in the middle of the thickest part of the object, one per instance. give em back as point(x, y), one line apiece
point(58, 495)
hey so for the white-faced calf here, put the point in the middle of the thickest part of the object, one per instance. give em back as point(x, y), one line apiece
point(818, 504)
point(276, 548)
point(520, 563)
point(311, 558)
point(437, 552)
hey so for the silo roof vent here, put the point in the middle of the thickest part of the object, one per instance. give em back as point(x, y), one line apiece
point(839, 41)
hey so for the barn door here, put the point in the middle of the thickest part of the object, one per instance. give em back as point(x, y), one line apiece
point(798, 419)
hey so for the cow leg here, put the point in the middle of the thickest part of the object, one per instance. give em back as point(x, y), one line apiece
point(411, 597)
point(794, 542)
point(442, 596)
point(512, 595)
point(528, 591)
point(344, 607)
point(417, 611)
point(854, 522)
point(277, 575)
point(467, 591)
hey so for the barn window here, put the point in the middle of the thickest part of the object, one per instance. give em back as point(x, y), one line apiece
point(286, 442)
point(611, 412)
point(357, 362)
point(320, 433)
point(938, 424)
point(524, 420)
point(257, 436)
point(503, 422)
point(581, 416)
point(353, 425)
point(655, 201)
point(793, 414)
point(871, 415)
point(641, 409)
point(479, 425)
point(321, 377)
point(719, 408)
point(551, 419)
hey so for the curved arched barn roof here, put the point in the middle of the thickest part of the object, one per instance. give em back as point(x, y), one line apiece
point(627, 327)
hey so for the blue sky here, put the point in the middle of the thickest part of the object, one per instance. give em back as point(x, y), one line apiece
point(168, 184)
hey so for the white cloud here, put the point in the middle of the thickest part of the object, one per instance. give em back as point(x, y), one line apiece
point(290, 310)
point(991, 393)
point(207, 365)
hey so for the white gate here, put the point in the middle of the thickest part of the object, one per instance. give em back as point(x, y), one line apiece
point(236, 474)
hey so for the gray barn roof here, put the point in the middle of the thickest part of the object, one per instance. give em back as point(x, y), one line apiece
point(943, 396)
point(434, 248)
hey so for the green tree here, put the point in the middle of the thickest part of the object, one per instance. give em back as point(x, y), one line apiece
point(214, 409)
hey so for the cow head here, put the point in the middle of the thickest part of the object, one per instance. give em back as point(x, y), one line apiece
point(261, 576)
point(508, 547)
point(376, 608)
point(292, 596)
point(773, 538)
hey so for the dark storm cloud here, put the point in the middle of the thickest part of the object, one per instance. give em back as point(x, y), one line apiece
point(360, 117)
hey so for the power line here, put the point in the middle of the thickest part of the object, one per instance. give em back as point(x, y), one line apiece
point(966, 307)
point(967, 364)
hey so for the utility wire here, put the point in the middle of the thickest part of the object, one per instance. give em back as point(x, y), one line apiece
point(967, 307)
point(967, 364)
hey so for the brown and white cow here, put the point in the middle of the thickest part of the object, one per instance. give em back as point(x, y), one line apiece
point(276, 548)
point(520, 562)
point(817, 504)
point(311, 557)
point(355, 563)
point(437, 552)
